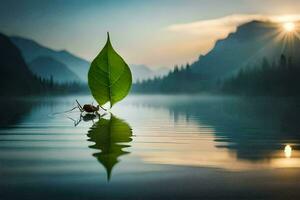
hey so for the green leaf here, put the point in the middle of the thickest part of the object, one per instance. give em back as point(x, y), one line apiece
point(109, 77)
point(110, 136)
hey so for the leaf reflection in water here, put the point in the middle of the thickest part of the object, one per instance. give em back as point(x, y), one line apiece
point(110, 136)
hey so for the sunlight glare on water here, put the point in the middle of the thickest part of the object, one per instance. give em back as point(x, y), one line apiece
point(288, 151)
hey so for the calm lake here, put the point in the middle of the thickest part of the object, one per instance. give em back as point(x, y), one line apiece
point(152, 147)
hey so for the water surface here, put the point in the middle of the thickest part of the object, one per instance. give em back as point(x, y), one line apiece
point(152, 147)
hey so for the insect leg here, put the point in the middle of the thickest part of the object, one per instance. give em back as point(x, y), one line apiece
point(79, 106)
point(103, 108)
point(72, 109)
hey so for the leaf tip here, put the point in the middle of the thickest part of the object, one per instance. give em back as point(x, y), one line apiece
point(108, 36)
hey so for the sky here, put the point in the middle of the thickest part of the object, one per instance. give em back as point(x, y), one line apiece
point(157, 33)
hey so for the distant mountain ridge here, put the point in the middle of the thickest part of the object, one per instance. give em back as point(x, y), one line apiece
point(32, 50)
point(249, 44)
point(252, 44)
point(142, 72)
point(49, 68)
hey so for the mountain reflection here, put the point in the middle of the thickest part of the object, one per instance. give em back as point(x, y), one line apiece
point(254, 128)
point(110, 136)
point(12, 111)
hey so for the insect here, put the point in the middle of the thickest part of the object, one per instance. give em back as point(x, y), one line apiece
point(88, 108)
point(91, 113)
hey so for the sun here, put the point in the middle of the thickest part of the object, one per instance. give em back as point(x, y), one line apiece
point(289, 26)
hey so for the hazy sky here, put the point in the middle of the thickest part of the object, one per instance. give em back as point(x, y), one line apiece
point(156, 33)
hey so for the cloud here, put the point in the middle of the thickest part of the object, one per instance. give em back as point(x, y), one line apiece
point(226, 24)
point(205, 27)
point(284, 18)
point(189, 40)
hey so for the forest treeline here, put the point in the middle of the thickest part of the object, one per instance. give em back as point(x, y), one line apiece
point(179, 80)
point(279, 78)
point(42, 86)
point(51, 87)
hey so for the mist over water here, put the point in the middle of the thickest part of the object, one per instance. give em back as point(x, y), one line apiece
point(208, 146)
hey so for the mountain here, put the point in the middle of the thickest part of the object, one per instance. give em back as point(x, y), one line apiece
point(47, 67)
point(31, 50)
point(143, 72)
point(236, 56)
point(15, 77)
point(249, 44)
